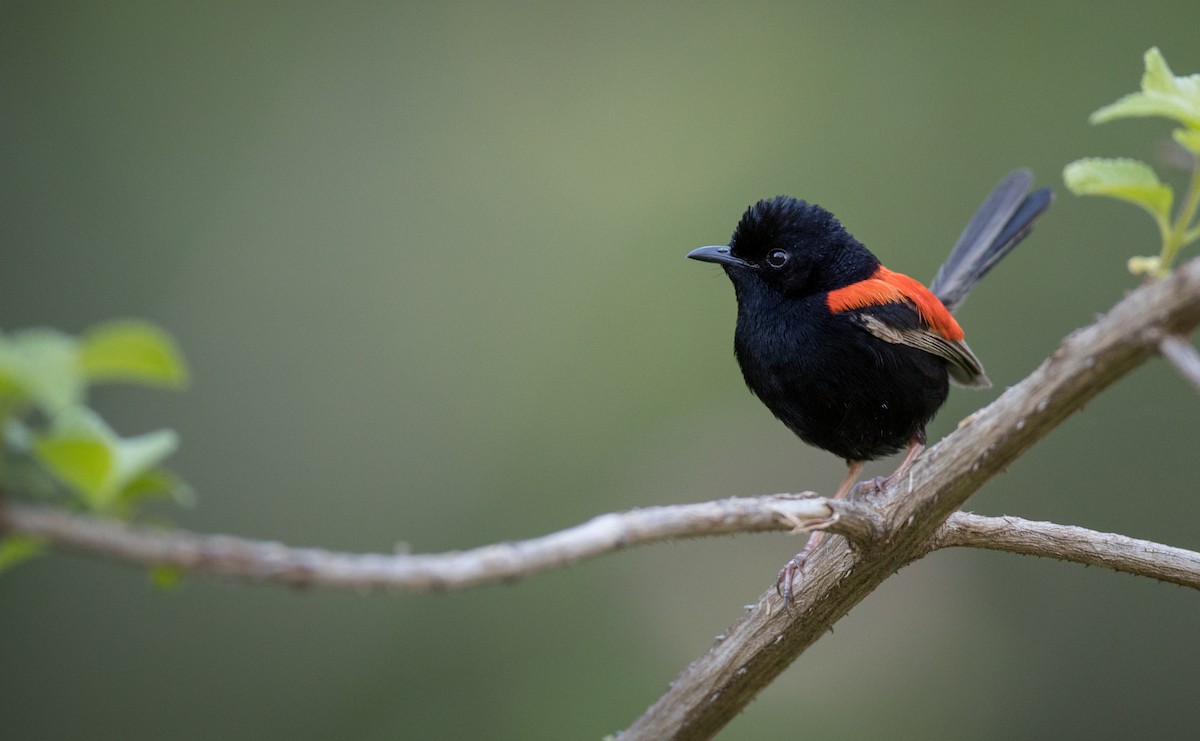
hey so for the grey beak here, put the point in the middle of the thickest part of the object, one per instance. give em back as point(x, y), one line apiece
point(718, 254)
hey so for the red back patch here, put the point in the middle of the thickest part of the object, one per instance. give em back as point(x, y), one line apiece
point(885, 287)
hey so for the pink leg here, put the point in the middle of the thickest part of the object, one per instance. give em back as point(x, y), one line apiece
point(783, 583)
point(915, 447)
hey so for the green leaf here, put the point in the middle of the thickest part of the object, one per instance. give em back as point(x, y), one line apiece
point(84, 465)
point(1163, 94)
point(51, 369)
point(1189, 139)
point(166, 576)
point(84, 453)
point(39, 365)
point(1126, 179)
point(155, 483)
point(136, 455)
point(130, 350)
point(15, 549)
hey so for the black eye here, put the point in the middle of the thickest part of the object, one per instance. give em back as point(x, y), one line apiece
point(777, 258)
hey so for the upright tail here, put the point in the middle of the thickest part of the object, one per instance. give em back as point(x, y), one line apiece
point(1004, 218)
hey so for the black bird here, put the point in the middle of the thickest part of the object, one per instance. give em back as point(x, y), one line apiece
point(855, 358)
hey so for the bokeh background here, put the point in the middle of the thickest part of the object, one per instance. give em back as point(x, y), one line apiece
point(426, 262)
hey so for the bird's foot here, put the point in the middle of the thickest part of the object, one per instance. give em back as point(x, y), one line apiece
point(872, 486)
point(794, 567)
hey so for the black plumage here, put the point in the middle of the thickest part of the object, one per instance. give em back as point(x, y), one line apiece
point(854, 358)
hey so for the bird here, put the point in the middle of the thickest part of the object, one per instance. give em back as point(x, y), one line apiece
point(852, 357)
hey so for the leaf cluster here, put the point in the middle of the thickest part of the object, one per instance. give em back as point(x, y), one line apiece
point(56, 447)
point(1166, 95)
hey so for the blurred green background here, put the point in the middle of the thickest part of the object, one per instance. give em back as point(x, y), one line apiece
point(426, 262)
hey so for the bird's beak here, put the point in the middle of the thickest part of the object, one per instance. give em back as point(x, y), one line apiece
point(720, 255)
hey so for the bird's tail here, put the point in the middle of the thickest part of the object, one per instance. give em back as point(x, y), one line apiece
point(1004, 218)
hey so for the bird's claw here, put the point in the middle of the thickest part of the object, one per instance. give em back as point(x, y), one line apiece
point(787, 575)
point(783, 583)
point(872, 486)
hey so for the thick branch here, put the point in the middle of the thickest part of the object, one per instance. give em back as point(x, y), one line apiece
point(717, 686)
point(1071, 543)
point(259, 561)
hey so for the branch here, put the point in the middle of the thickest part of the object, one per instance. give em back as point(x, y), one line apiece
point(1183, 355)
point(899, 525)
point(1070, 543)
point(752, 652)
point(260, 561)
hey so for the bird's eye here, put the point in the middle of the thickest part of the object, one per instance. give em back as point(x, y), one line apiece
point(777, 258)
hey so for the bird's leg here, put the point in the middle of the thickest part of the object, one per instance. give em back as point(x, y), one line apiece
point(783, 583)
point(915, 447)
point(853, 469)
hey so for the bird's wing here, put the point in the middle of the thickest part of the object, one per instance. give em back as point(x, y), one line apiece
point(898, 309)
point(885, 287)
point(965, 369)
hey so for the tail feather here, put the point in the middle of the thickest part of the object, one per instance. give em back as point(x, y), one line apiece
point(1004, 218)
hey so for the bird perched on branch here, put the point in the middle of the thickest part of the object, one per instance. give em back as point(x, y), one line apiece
point(853, 357)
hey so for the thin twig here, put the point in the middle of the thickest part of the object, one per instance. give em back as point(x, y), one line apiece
point(1183, 355)
point(1071, 543)
point(261, 561)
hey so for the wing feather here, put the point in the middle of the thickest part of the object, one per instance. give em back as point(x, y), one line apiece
point(965, 369)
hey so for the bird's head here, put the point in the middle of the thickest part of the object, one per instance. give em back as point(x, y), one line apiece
point(791, 247)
